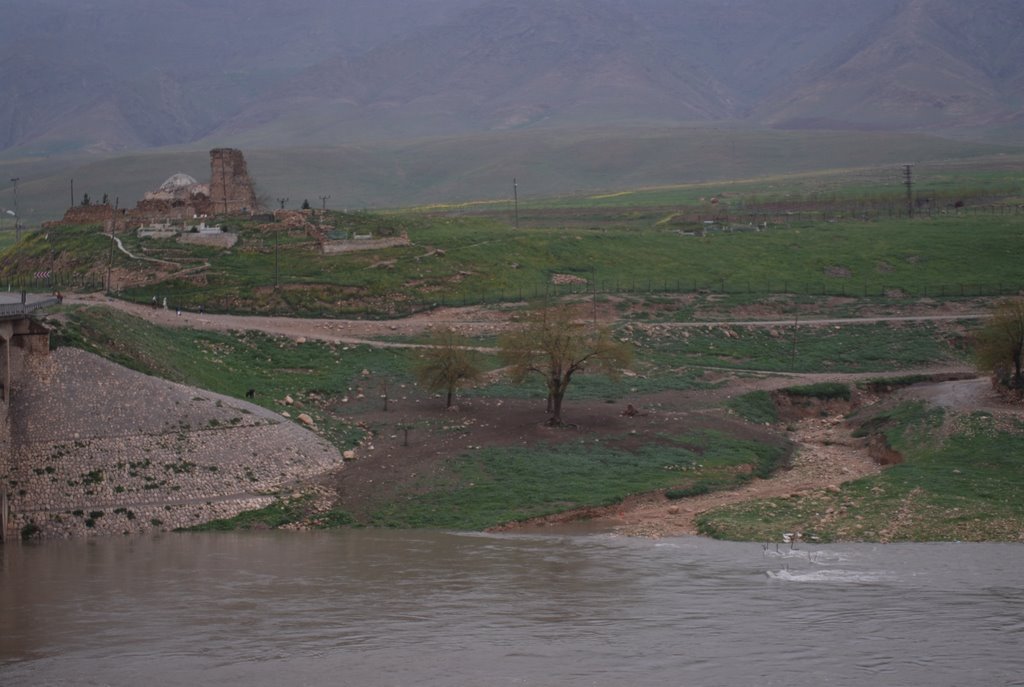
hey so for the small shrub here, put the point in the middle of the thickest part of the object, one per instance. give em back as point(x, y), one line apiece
point(695, 489)
point(886, 384)
point(757, 406)
point(825, 391)
point(94, 477)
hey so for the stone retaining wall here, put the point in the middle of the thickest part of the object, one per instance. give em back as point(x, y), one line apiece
point(98, 448)
point(221, 239)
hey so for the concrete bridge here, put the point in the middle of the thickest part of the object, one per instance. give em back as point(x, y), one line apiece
point(20, 338)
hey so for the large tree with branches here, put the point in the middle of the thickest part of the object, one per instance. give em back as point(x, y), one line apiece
point(555, 344)
point(999, 345)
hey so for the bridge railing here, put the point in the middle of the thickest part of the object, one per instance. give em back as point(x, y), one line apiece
point(21, 309)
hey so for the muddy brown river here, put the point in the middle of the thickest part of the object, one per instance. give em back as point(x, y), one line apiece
point(372, 608)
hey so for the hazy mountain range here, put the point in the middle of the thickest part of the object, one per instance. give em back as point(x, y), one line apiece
point(403, 102)
point(119, 75)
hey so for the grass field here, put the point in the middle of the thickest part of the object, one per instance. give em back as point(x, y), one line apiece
point(483, 262)
point(496, 486)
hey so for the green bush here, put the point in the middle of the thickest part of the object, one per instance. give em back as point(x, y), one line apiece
point(757, 406)
point(825, 391)
point(695, 489)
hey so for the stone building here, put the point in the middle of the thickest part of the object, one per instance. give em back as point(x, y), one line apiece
point(179, 199)
point(231, 190)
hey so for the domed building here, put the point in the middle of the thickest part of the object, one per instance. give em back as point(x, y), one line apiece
point(178, 187)
point(181, 197)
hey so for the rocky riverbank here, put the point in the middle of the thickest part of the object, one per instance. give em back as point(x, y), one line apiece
point(99, 448)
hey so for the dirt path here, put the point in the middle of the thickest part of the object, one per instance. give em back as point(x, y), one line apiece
point(472, 320)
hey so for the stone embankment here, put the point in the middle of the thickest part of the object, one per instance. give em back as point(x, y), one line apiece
point(99, 448)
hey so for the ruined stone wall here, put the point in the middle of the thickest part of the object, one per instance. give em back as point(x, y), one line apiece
point(353, 245)
point(104, 215)
point(153, 209)
point(231, 189)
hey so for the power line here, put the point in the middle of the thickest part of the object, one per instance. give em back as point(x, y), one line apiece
point(515, 200)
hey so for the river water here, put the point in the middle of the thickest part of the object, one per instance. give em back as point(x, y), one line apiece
point(370, 608)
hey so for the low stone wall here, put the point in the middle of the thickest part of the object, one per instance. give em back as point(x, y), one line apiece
point(98, 449)
point(353, 245)
point(216, 239)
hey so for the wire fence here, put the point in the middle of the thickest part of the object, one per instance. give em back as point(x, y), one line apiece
point(293, 303)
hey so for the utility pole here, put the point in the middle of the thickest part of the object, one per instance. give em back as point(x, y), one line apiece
point(796, 327)
point(323, 209)
point(515, 200)
point(72, 182)
point(277, 249)
point(110, 258)
point(277, 258)
point(908, 181)
point(17, 217)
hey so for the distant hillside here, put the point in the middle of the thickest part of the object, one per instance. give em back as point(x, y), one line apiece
point(120, 75)
point(547, 162)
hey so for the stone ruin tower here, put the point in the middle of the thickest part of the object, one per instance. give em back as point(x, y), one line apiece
point(231, 190)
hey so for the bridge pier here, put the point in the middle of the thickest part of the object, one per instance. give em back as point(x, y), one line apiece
point(20, 338)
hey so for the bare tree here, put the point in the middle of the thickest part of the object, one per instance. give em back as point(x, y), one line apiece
point(555, 344)
point(999, 345)
point(448, 363)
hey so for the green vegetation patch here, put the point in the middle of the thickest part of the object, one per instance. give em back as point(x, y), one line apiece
point(968, 487)
point(298, 511)
point(826, 391)
point(887, 384)
point(870, 347)
point(904, 425)
point(756, 406)
point(494, 486)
